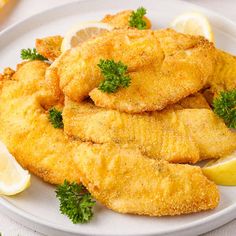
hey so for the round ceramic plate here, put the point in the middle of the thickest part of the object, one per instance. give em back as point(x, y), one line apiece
point(38, 207)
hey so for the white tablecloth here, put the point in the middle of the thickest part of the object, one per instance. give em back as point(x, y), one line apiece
point(19, 9)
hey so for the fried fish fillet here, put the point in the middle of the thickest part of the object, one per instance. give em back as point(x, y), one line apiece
point(156, 188)
point(7, 74)
point(79, 77)
point(176, 134)
point(121, 19)
point(49, 47)
point(25, 128)
point(126, 181)
point(224, 77)
point(160, 74)
point(55, 95)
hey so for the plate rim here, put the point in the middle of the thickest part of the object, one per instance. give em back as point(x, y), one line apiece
point(229, 211)
point(26, 215)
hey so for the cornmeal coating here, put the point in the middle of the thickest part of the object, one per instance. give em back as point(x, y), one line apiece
point(127, 182)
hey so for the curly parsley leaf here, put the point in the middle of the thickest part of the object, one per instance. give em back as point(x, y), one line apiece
point(114, 74)
point(55, 117)
point(31, 54)
point(225, 107)
point(136, 19)
point(75, 202)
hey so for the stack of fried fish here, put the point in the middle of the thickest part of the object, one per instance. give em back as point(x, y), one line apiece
point(131, 148)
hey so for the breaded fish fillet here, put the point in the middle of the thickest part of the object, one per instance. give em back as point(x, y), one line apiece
point(122, 178)
point(224, 77)
point(49, 47)
point(176, 135)
point(127, 182)
point(83, 72)
point(7, 74)
point(26, 130)
point(121, 19)
point(160, 74)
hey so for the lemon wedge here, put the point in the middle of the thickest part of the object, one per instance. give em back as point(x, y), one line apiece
point(222, 171)
point(13, 178)
point(82, 32)
point(194, 24)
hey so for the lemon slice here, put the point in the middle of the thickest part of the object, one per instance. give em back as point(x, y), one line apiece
point(82, 32)
point(222, 171)
point(13, 178)
point(194, 24)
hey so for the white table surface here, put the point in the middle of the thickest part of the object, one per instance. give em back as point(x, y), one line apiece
point(18, 9)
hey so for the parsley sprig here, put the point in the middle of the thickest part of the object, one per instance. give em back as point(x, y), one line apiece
point(136, 19)
point(75, 202)
point(114, 74)
point(31, 54)
point(225, 107)
point(55, 117)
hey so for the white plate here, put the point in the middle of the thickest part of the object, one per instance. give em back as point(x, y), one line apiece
point(37, 207)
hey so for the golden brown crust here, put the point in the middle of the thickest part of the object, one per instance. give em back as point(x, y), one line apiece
point(121, 176)
point(155, 188)
point(26, 130)
point(52, 83)
point(126, 181)
point(157, 136)
point(49, 47)
point(121, 19)
point(83, 74)
point(224, 77)
point(176, 135)
point(7, 74)
point(160, 74)
point(178, 75)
